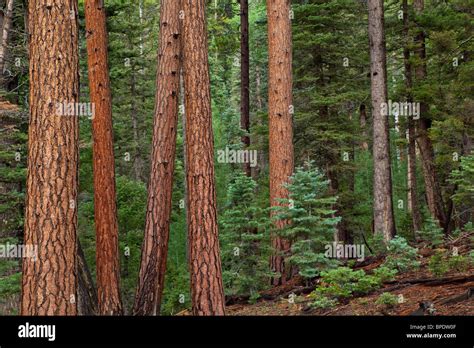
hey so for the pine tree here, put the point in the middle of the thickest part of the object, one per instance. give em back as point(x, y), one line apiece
point(243, 239)
point(313, 224)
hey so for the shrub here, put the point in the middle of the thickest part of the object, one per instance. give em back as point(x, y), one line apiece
point(387, 299)
point(401, 256)
point(322, 302)
point(385, 274)
point(438, 264)
point(432, 233)
point(458, 263)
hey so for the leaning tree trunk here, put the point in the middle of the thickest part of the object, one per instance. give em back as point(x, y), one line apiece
point(245, 79)
point(87, 302)
point(413, 204)
point(432, 186)
point(383, 206)
point(280, 121)
point(105, 209)
point(205, 264)
point(155, 246)
point(49, 281)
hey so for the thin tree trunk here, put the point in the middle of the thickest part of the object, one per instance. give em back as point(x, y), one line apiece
point(413, 204)
point(363, 126)
point(87, 302)
point(245, 78)
point(155, 246)
point(383, 206)
point(205, 263)
point(49, 281)
point(7, 22)
point(137, 158)
point(280, 122)
point(105, 209)
point(433, 189)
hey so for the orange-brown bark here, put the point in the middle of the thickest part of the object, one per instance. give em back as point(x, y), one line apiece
point(49, 281)
point(280, 120)
point(204, 253)
point(155, 245)
point(105, 209)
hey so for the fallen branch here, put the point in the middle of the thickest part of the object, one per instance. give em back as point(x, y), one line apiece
point(434, 281)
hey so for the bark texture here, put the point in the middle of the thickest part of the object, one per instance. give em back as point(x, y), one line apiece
point(105, 209)
point(155, 246)
point(280, 121)
point(383, 206)
point(49, 281)
point(204, 254)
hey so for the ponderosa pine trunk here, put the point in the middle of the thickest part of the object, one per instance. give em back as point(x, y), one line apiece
point(157, 226)
point(280, 121)
point(105, 208)
point(413, 204)
point(383, 206)
point(245, 79)
point(432, 187)
point(49, 281)
point(205, 264)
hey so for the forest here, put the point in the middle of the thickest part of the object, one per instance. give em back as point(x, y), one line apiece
point(236, 157)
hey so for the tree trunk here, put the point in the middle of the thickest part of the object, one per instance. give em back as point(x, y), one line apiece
point(105, 209)
point(363, 126)
point(49, 281)
point(205, 263)
point(155, 246)
point(87, 302)
point(245, 79)
point(413, 204)
point(433, 190)
point(7, 22)
point(280, 121)
point(383, 206)
point(137, 165)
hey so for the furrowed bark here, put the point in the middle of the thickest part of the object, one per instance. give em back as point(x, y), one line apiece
point(205, 264)
point(155, 246)
point(49, 281)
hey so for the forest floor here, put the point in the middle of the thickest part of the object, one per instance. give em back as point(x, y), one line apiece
point(447, 293)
